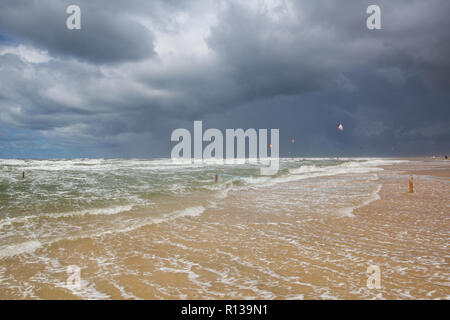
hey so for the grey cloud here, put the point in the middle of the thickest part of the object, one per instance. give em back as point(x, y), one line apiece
point(388, 85)
point(105, 36)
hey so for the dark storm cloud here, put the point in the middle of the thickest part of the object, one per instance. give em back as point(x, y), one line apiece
point(105, 36)
point(139, 69)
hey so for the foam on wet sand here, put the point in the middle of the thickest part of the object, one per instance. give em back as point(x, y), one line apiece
point(300, 238)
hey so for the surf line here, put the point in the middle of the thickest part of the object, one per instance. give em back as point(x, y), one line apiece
point(403, 177)
point(228, 176)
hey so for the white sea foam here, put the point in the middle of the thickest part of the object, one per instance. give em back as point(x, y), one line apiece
point(85, 290)
point(223, 194)
point(371, 198)
point(20, 248)
point(99, 211)
point(6, 222)
point(313, 171)
point(348, 212)
point(31, 246)
point(296, 297)
point(189, 212)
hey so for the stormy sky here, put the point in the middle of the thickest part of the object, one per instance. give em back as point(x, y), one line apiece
point(139, 69)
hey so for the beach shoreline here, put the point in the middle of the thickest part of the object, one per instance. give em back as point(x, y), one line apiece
point(311, 238)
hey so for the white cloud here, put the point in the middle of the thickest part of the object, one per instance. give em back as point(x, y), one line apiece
point(63, 96)
point(27, 54)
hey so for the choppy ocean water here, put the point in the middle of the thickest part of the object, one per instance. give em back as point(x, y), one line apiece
point(69, 198)
point(161, 229)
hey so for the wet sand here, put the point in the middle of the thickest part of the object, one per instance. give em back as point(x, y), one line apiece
point(424, 166)
point(255, 245)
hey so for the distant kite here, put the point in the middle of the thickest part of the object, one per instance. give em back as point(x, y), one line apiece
point(293, 140)
point(340, 127)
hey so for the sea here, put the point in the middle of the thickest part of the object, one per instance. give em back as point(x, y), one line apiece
point(165, 229)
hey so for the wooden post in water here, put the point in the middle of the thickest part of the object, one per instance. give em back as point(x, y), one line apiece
point(23, 174)
point(411, 184)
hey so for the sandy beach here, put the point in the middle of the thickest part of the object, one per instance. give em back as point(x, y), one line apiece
point(254, 244)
